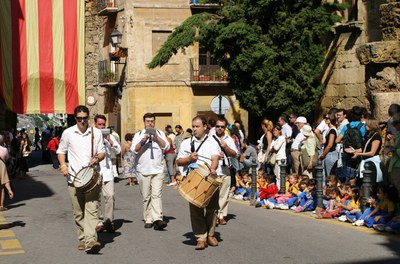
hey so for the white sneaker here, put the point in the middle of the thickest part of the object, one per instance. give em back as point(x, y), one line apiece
point(283, 206)
point(359, 222)
point(342, 218)
point(171, 183)
point(269, 204)
point(238, 197)
point(293, 207)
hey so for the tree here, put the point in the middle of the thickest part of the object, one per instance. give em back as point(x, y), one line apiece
point(272, 50)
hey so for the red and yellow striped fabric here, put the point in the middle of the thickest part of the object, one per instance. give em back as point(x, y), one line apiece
point(42, 55)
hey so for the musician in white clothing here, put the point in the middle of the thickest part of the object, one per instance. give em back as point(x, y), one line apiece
point(112, 148)
point(85, 147)
point(201, 149)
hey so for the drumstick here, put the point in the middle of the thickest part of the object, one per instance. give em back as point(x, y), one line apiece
point(203, 157)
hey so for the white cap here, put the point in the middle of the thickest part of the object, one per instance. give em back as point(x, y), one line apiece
point(306, 130)
point(301, 119)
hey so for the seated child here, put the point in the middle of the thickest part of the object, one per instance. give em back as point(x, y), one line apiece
point(334, 206)
point(383, 210)
point(280, 200)
point(307, 202)
point(351, 207)
point(244, 189)
point(301, 193)
point(270, 191)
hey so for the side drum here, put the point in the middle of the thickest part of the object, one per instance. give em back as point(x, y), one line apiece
point(87, 179)
point(198, 186)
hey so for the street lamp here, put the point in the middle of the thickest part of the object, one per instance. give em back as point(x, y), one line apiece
point(115, 37)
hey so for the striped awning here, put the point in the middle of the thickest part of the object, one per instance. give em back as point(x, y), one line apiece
point(42, 55)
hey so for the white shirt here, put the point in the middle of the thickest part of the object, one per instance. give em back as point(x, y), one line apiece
point(106, 168)
point(342, 125)
point(279, 146)
point(286, 130)
point(211, 132)
point(297, 140)
point(78, 147)
point(144, 163)
point(208, 149)
point(324, 128)
point(231, 144)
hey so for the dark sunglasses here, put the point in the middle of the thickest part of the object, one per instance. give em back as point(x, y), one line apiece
point(220, 126)
point(82, 119)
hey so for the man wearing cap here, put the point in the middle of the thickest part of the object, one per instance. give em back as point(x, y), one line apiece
point(295, 150)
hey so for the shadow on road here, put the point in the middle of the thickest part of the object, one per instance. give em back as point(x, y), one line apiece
point(11, 225)
point(119, 222)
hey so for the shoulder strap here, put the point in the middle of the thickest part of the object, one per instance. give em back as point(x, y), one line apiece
point(360, 125)
point(223, 150)
point(92, 142)
point(192, 144)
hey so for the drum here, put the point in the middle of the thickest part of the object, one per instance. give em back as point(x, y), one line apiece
point(87, 179)
point(198, 186)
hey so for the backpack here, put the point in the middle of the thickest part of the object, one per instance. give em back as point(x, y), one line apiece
point(353, 138)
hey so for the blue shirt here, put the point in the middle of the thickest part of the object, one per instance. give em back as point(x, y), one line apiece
point(354, 124)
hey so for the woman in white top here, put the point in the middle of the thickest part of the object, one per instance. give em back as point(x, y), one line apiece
point(278, 146)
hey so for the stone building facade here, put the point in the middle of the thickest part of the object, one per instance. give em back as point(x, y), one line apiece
point(362, 65)
point(174, 92)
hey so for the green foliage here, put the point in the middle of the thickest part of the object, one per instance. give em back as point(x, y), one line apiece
point(272, 50)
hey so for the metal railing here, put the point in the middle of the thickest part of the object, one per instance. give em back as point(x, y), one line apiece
point(102, 4)
point(206, 72)
point(106, 73)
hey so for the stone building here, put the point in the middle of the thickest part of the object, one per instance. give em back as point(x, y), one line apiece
point(362, 65)
point(176, 92)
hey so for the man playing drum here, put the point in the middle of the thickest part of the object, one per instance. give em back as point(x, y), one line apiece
point(112, 147)
point(149, 145)
point(85, 147)
point(227, 150)
point(202, 150)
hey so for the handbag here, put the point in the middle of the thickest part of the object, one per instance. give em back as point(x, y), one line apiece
point(260, 156)
point(271, 159)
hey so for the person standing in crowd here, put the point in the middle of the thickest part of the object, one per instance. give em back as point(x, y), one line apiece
point(178, 138)
point(250, 153)
point(295, 149)
point(111, 148)
point(37, 139)
point(391, 134)
point(52, 146)
point(129, 160)
point(23, 156)
point(352, 135)
point(4, 179)
point(211, 127)
point(265, 143)
point(227, 153)
point(84, 146)
point(15, 153)
point(238, 124)
point(370, 152)
point(394, 164)
point(287, 133)
point(203, 150)
point(170, 157)
point(308, 151)
point(278, 146)
point(329, 155)
point(149, 145)
point(341, 120)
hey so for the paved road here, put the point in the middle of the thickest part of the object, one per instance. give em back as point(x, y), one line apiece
point(39, 228)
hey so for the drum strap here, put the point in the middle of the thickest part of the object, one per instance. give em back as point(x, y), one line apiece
point(192, 149)
point(92, 143)
point(226, 154)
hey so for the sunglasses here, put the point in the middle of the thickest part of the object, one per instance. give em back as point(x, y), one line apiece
point(82, 119)
point(220, 126)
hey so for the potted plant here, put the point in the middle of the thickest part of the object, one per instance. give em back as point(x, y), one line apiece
point(108, 76)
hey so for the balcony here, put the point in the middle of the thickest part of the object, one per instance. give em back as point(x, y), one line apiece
point(206, 74)
point(108, 73)
point(198, 6)
point(106, 7)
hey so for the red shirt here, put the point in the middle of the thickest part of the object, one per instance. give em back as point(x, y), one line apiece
point(53, 144)
point(268, 192)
